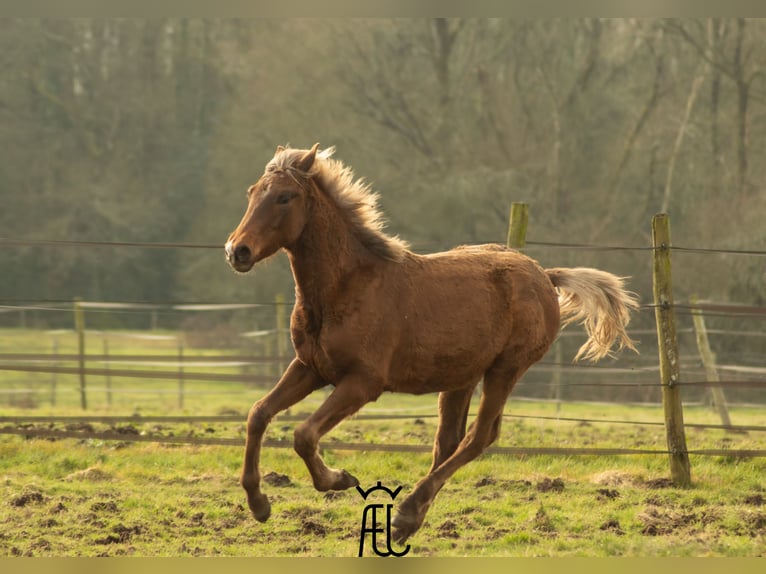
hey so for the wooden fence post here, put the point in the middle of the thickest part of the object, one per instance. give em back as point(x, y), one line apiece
point(517, 227)
point(517, 239)
point(281, 330)
point(181, 390)
point(53, 374)
point(668, 351)
point(107, 366)
point(79, 326)
point(708, 361)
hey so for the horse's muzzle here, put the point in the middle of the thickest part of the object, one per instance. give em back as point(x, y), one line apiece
point(239, 257)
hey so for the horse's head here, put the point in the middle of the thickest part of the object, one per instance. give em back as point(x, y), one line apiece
point(277, 209)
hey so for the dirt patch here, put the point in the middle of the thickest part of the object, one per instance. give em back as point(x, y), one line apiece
point(57, 508)
point(109, 506)
point(756, 522)
point(126, 429)
point(120, 534)
point(84, 427)
point(311, 527)
point(197, 518)
point(608, 493)
point(612, 525)
point(550, 485)
point(754, 499)
point(659, 483)
point(25, 498)
point(486, 481)
point(276, 479)
point(657, 522)
point(448, 529)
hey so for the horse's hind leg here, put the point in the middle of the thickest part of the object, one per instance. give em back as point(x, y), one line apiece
point(482, 432)
point(349, 396)
point(453, 416)
point(296, 383)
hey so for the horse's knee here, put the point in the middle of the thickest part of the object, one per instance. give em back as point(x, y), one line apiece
point(257, 420)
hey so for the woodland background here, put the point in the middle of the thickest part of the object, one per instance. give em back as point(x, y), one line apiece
point(131, 130)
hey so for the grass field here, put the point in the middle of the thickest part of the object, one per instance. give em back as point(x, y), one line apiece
point(96, 498)
point(88, 497)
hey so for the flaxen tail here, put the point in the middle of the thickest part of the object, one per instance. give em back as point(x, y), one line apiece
point(597, 300)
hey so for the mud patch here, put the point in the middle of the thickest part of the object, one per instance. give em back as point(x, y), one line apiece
point(448, 529)
point(276, 479)
point(755, 522)
point(104, 507)
point(57, 508)
point(608, 493)
point(120, 534)
point(311, 527)
point(197, 519)
point(659, 483)
point(658, 522)
point(550, 485)
point(613, 526)
point(126, 430)
point(26, 498)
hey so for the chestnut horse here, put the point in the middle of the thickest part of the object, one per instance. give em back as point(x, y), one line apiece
point(372, 316)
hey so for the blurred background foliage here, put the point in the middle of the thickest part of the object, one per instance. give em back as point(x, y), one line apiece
point(151, 131)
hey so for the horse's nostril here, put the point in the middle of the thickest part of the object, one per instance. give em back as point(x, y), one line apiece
point(242, 254)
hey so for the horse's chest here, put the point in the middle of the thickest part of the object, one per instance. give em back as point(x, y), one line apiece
point(331, 346)
point(311, 353)
point(309, 347)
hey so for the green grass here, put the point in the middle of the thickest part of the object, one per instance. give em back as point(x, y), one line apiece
point(84, 497)
point(90, 498)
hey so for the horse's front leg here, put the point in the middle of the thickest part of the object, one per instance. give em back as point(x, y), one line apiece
point(350, 394)
point(296, 383)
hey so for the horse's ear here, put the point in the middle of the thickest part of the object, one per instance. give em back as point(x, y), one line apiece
point(307, 160)
point(280, 149)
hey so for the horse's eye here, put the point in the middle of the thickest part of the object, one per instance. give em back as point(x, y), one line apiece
point(284, 198)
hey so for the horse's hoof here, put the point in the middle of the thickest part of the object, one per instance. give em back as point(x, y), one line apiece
point(260, 507)
point(347, 480)
point(404, 527)
point(336, 480)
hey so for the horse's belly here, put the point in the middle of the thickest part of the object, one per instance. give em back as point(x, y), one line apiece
point(440, 372)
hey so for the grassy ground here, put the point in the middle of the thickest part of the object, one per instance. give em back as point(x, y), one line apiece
point(74, 497)
point(85, 497)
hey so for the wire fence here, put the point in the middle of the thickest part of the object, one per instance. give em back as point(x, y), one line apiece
point(255, 364)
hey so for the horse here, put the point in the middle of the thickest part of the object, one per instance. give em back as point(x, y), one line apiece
point(371, 316)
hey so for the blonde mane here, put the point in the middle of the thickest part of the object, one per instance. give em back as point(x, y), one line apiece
point(353, 196)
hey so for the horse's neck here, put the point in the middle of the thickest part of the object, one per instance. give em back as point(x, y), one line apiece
point(324, 256)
